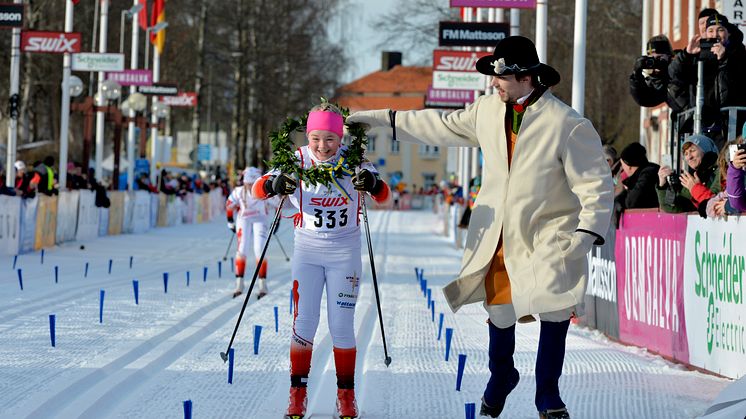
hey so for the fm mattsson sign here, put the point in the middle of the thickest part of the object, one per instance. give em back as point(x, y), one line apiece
point(50, 42)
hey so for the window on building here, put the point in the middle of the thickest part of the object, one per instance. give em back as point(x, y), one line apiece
point(394, 147)
point(428, 180)
point(429, 151)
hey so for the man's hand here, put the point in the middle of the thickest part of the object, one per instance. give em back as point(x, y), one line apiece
point(693, 46)
point(638, 64)
point(719, 50)
point(688, 181)
point(371, 119)
point(719, 208)
point(364, 181)
point(232, 226)
point(663, 173)
point(282, 184)
point(580, 244)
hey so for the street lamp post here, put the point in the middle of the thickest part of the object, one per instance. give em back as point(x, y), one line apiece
point(156, 77)
point(154, 29)
point(133, 91)
point(132, 11)
point(99, 96)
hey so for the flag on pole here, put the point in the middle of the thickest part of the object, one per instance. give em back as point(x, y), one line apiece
point(158, 15)
point(75, 2)
point(143, 14)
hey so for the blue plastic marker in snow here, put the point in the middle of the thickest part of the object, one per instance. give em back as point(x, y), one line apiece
point(42, 256)
point(220, 269)
point(187, 409)
point(277, 322)
point(15, 259)
point(417, 272)
point(56, 274)
point(101, 307)
point(291, 301)
point(230, 365)
point(429, 297)
point(165, 282)
point(136, 289)
point(257, 336)
point(20, 278)
point(449, 336)
point(85, 275)
point(204, 274)
point(232, 271)
point(432, 311)
point(110, 262)
point(440, 325)
point(422, 274)
point(188, 275)
point(460, 373)
point(470, 410)
point(131, 259)
point(51, 328)
point(424, 287)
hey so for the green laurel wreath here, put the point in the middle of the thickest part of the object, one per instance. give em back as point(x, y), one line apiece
point(284, 159)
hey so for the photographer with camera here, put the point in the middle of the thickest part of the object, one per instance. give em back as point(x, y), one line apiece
point(735, 185)
point(648, 83)
point(690, 190)
point(719, 46)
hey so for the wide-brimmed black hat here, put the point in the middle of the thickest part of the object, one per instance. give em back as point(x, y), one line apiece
point(517, 55)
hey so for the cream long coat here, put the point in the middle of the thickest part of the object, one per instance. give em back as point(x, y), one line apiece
point(558, 182)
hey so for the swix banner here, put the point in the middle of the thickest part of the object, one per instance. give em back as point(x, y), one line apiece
point(447, 60)
point(50, 42)
point(184, 100)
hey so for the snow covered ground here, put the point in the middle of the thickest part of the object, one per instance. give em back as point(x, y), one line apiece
point(144, 360)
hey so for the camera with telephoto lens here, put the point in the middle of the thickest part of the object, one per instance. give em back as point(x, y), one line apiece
point(651, 63)
point(673, 181)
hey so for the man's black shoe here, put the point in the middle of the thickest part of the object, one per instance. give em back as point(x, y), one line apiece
point(554, 414)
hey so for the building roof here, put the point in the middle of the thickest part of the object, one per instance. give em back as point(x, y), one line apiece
point(401, 88)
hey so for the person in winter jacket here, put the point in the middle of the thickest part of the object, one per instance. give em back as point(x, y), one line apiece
point(724, 68)
point(639, 185)
point(546, 199)
point(648, 83)
point(26, 182)
point(326, 253)
point(690, 190)
point(730, 164)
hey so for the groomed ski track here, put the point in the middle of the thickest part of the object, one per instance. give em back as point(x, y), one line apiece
point(144, 360)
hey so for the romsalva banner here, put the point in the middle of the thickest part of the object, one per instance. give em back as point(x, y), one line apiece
point(649, 262)
point(715, 261)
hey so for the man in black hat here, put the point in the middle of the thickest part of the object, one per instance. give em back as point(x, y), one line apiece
point(648, 83)
point(546, 198)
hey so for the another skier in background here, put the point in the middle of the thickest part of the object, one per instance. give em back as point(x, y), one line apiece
point(327, 253)
point(251, 223)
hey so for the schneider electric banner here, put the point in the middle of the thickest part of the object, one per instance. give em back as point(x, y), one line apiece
point(459, 80)
point(472, 34)
point(715, 262)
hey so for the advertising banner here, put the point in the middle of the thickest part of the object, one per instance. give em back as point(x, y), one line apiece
point(471, 34)
point(103, 221)
point(116, 213)
point(67, 215)
point(50, 42)
point(10, 224)
point(714, 267)
point(46, 222)
point(87, 216)
point(182, 100)
point(141, 216)
point(97, 61)
point(649, 264)
point(28, 224)
point(500, 4)
point(162, 210)
point(449, 96)
point(11, 15)
point(160, 89)
point(449, 60)
point(460, 80)
point(601, 310)
point(154, 204)
point(131, 77)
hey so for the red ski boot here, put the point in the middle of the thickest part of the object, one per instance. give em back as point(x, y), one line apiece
point(297, 403)
point(346, 405)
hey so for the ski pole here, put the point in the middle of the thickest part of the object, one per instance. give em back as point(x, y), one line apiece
point(224, 355)
point(230, 243)
point(387, 359)
point(287, 258)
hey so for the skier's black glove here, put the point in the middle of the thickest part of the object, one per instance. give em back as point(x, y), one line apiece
point(638, 64)
point(365, 181)
point(282, 184)
point(232, 226)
